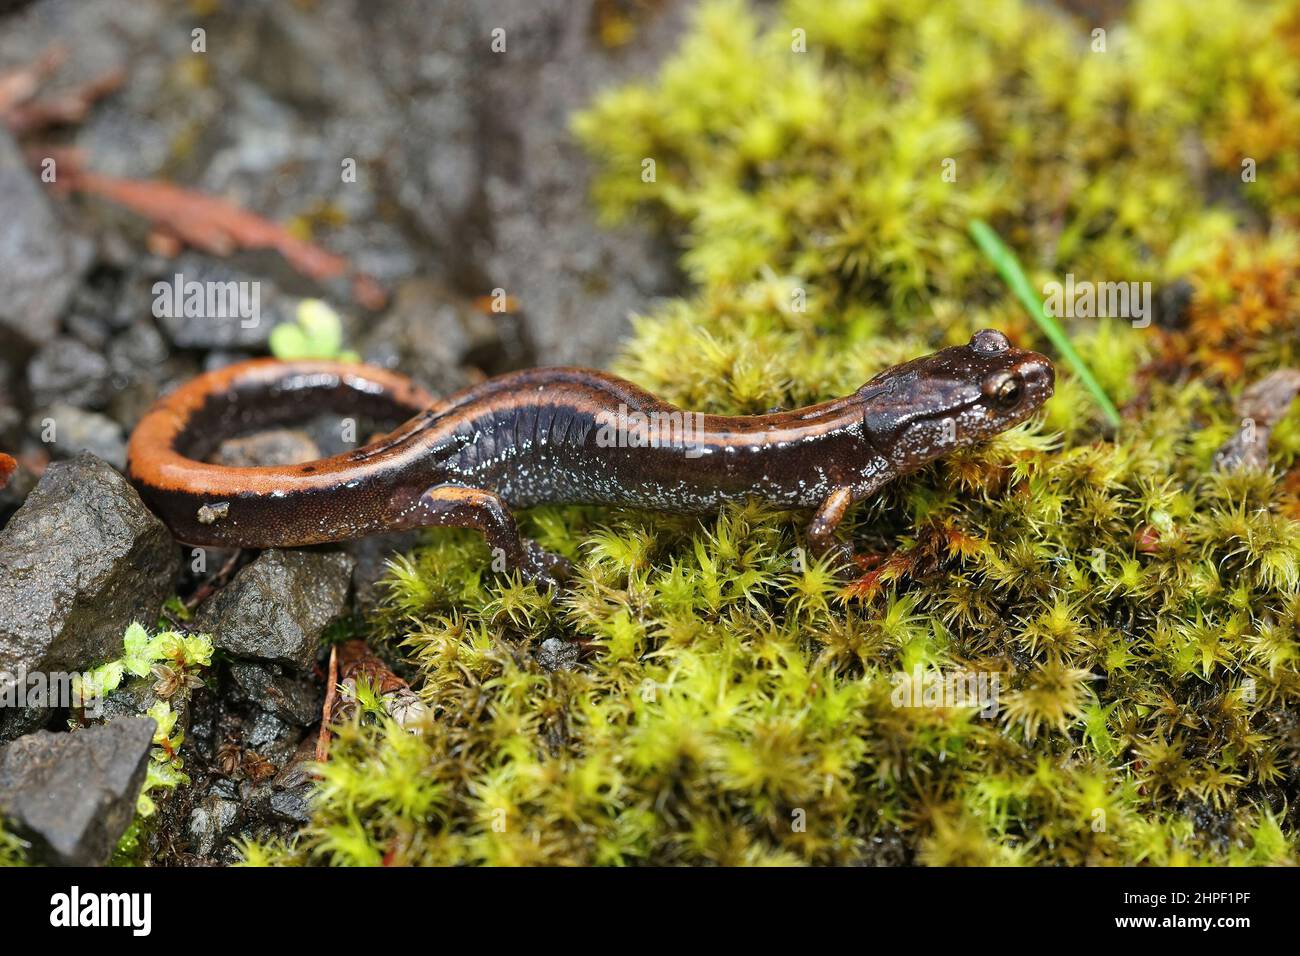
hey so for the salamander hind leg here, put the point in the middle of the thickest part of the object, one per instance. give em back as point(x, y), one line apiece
point(456, 506)
point(821, 530)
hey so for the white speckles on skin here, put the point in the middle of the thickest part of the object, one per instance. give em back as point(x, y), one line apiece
point(790, 470)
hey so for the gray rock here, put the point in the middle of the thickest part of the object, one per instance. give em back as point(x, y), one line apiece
point(296, 93)
point(111, 315)
point(136, 354)
point(275, 446)
point(23, 721)
point(430, 334)
point(333, 434)
point(134, 697)
point(435, 59)
point(73, 794)
point(292, 49)
point(503, 195)
point(76, 430)
point(42, 266)
point(276, 608)
point(93, 312)
point(130, 133)
point(98, 35)
point(294, 699)
point(211, 823)
point(272, 738)
point(79, 561)
point(13, 359)
point(65, 370)
point(143, 369)
point(558, 655)
point(291, 789)
point(195, 326)
point(292, 806)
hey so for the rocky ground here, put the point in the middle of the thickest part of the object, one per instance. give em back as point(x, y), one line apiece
point(467, 182)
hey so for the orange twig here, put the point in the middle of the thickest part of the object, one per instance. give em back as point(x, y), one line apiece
point(66, 109)
point(220, 228)
point(20, 85)
point(327, 712)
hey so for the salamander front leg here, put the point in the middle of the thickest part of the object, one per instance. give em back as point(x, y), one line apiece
point(454, 506)
point(821, 530)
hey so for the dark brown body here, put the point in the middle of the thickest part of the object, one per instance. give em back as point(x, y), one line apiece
point(551, 435)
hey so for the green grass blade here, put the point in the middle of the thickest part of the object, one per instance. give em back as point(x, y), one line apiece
point(1008, 266)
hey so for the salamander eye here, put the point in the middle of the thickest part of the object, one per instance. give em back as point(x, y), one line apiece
point(1005, 391)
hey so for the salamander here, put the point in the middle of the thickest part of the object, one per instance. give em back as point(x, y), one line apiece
point(556, 435)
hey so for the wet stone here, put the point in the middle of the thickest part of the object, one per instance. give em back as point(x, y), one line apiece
point(142, 369)
point(292, 806)
point(294, 699)
point(73, 794)
point(42, 265)
point(94, 316)
point(276, 608)
point(211, 822)
point(277, 446)
point(76, 430)
point(231, 310)
point(526, 223)
point(65, 370)
point(558, 655)
point(271, 738)
point(79, 561)
point(430, 334)
point(291, 789)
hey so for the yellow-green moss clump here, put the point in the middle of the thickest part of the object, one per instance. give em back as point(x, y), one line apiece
point(734, 701)
point(13, 851)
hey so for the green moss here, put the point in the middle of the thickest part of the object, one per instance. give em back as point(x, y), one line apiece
point(1229, 71)
point(736, 703)
point(171, 662)
point(13, 850)
point(830, 164)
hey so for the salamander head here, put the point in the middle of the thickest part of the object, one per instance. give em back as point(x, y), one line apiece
point(958, 396)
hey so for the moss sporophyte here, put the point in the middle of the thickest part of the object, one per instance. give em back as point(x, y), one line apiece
point(730, 697)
